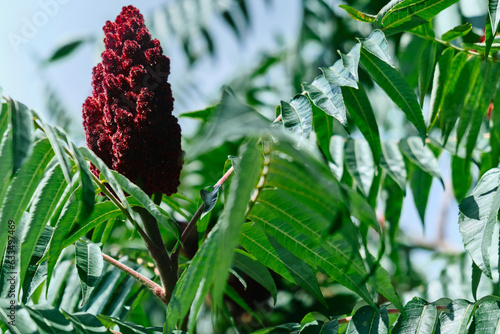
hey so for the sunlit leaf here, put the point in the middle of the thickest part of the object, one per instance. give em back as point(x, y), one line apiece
point(368, 320)
point(421, 155)
point(457, 32)
point(89, 263)
point(328, 98)
point(360, 165)
point(421, 318)
point(478, 216)
point(393, 163)
point(456, 321)
point(297, 115)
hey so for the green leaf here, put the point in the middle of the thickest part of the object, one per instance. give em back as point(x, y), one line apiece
point(393, 208)
point(426, 69)
point(420, 183)
point(22, 132)
point(475, 279)
point(137, 193)
point(359, 163)
point(89, 263)
point(65, 50)
point(393, 163)
point(487, 316)
point(36, 274)
point(461, 177)
point(85, 323)
point(323, 126)
point(209, 198)
point(458, 31)
point(360, 208)
point(270, 253)
point(390, 79)
point(493, 12)
point(402, 15)
point(351, 60)
point(472, 105)
point(361, 111)
point(256, 270)
point(108, 176)
point(478, 216)
point(368, 320)
point(439, 84)
point(489, 73)
point(456, 94)
point(489, 35)
point(125, 327)
point(64, 225)
point(327, 98)
point(23, 186)
point(376, 45)
point(481, 47)
point(203, 114)
point(88, 190)
point(338, 75)
point(4, 116)
point(49, 320)
point(194, 283)
point(456, 321)
point(49, 192)
point(357, 15)
point(320, 327)
point(300, 230)
point(20, 323)
point(102, 212)
point(58, 150)
point(10, 265)
point(421, 155)
point(421, 318)
point(337, 153)
point(234, 214)
point(297, 115)
point(6, 162)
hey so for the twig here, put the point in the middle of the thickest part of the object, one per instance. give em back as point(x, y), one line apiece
point(191, 223)
point(155, 288)
point(120, 206)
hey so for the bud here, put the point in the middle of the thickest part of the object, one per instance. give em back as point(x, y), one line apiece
point(128, 119)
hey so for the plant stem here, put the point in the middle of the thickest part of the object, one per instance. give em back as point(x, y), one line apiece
point(156, 289)
point(119, 205)
point(166, 265)
point(191, 223)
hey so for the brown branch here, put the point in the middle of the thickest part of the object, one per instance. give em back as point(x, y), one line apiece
point(156, 289)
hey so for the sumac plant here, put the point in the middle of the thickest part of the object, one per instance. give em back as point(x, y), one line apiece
point(277, 224)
